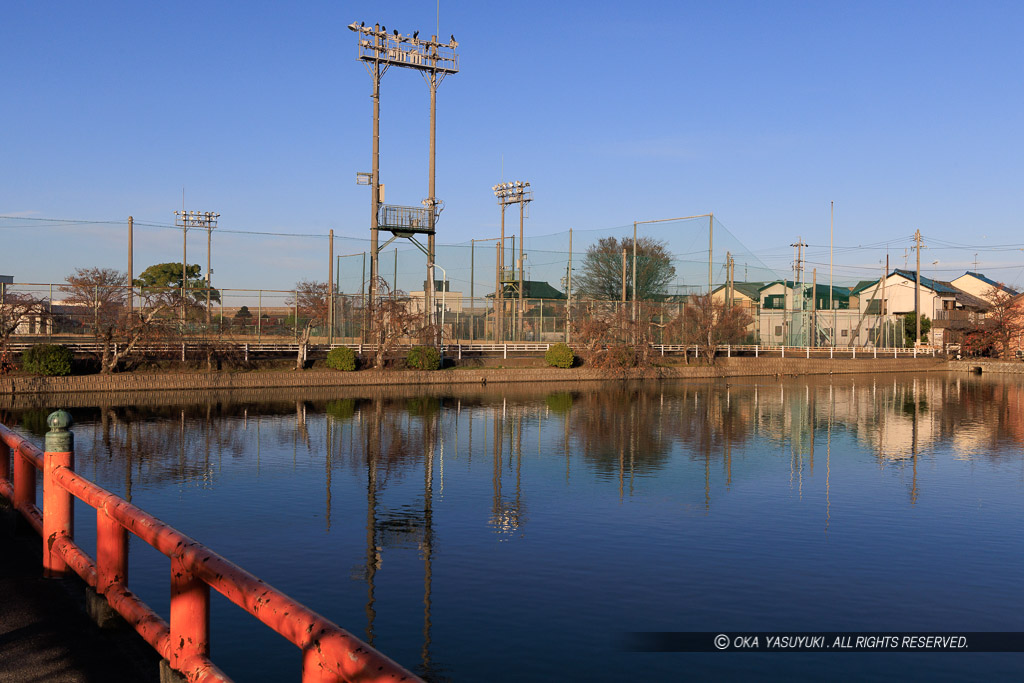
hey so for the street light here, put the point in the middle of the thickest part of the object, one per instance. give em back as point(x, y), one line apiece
point(444, 291)
point(513, 192)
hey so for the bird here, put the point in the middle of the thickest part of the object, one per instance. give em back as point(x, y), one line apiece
point(396, 32)
point(383, 29)
point(362, 24)
point(453, 37)
point(415, 34)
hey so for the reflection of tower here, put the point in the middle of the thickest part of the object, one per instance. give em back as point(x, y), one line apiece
point(427, 544)
point(507, 516)
point(372, 451)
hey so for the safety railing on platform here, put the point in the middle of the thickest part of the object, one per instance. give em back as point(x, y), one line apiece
point(329, 653)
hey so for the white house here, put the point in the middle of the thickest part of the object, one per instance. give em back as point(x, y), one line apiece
point(980, 286)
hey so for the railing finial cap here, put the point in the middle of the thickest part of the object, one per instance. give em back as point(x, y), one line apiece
point(59, 421)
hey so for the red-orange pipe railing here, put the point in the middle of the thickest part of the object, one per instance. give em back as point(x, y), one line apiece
point(329, 652)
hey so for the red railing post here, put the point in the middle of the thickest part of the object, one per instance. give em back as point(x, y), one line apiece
point(5, 460)
point(111, 552)
point(58, 504)
point(24, 482)
point(190, 614)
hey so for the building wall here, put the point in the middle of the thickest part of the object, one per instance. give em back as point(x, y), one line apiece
point(899, 297)
point(974, 286)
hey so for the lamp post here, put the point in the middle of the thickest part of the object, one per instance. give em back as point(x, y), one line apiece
point(444, 291)
point(514, 192)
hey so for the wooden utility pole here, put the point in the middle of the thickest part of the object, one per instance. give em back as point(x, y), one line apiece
point(131, 271)
point(330, 291)
point(634, 271)
point(814, 307)
point(623, 275)
point(917, 291)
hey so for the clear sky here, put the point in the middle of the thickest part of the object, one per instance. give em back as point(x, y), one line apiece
point(906, 114)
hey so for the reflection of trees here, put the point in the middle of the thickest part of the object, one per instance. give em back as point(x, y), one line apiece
point(619, 424)
point(636, 427)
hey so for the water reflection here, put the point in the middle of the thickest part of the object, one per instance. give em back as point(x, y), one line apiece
point(695, 443)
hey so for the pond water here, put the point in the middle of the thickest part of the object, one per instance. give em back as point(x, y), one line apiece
point(520, 533)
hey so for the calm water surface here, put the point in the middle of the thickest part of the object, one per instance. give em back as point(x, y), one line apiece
point(516, 534)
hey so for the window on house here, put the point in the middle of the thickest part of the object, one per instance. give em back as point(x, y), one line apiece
point(778, 330)
point(844, 333)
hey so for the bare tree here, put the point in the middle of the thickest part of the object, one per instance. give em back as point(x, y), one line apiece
point(707, 324)
point(149, 323)
point(103, 292)
point(312, 301)
point(1001, 330)
point(18, 310)
point(392, 321)
point(611, 337)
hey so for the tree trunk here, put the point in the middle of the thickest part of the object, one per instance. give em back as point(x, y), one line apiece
point(300, 361)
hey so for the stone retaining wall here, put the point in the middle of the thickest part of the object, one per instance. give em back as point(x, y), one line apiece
point(988, 366)
point(192, 381)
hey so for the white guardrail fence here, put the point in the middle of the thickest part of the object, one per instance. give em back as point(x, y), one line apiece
point(456, 350)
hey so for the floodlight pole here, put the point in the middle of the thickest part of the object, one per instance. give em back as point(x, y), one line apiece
point(209, 235)
point(500, 292)
point(428, 293)
point(374, 184)
point(519, 314)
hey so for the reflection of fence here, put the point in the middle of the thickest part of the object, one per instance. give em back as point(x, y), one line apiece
point(329, 653)
point(272, 316)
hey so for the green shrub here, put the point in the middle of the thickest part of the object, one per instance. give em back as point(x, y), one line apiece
point(51, 360)
point(559, 356)
point(423, 358)
point(341, 358)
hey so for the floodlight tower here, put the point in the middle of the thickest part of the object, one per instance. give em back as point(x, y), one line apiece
point(379, 50)
point(513, 192)
point(206, 220)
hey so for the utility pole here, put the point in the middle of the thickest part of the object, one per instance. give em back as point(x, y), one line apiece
point(831, 284)
point(634, 271)
point(623, 275)
point(209, 234)
point(798, 283)
point(884, 308)
point(711, 244)
point(568, 292)
point(917, 290)
point(497, 292)
point(814, 308)
point(330, 290)
point(131, 271)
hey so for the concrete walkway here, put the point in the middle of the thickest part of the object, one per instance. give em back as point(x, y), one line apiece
point(45, 634)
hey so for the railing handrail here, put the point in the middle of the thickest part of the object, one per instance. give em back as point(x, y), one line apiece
point(333, 652)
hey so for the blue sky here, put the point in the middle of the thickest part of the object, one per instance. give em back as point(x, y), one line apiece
point(905, 114)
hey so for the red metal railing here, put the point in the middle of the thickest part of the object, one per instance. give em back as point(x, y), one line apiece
point(329, 653)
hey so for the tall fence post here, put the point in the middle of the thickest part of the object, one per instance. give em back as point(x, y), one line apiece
point(58, 504)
